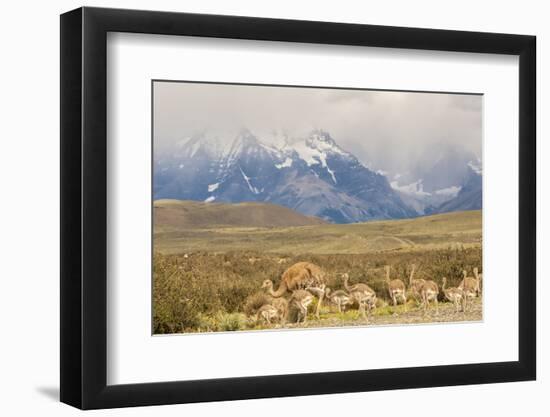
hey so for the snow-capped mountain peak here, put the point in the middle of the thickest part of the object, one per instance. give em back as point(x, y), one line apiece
point(312, 175)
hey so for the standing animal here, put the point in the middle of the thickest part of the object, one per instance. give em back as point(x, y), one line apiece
point(469, 283)
point(470, 288)
point(415, 284)
point(478, 277)
point(299, 276)
point(300, 300)
point(396, 288)
point(340, 298)
point(267, 312)
point(454, 295)
point(362, 294)
point(429, 292)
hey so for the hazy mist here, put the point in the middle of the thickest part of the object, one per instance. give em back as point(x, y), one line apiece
point(384, 129)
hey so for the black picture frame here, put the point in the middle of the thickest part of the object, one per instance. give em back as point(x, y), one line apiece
point(84, 207)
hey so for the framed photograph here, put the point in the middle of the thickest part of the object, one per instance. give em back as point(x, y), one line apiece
point(257, 208)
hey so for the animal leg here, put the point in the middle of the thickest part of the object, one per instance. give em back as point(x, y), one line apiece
point(425, 304)
point(318, 309)
point(362, 309)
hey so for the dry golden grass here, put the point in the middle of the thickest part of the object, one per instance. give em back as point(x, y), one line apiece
point(205, 291)
point(209, 278)
point(461, 229)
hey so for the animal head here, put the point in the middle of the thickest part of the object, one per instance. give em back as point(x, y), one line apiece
point(465, 273)
point(345, 275)
point(267, 284)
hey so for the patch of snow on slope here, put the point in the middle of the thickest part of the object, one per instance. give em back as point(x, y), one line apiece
point(270, 149)
point(309, 155)
point(195, 148)
point(286, 164)
point(323, 159)
point(247, 179)
point(451, 191)
point(322, 143)
point(213, 187)
point(415, 188)
point(475, 166)
point(210, 199)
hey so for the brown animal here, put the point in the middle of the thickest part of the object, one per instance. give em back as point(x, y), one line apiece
point(479, 279)
point(396, 288)
point(267, 312)
point(415, 284)
point(362, 294)
point(470, 286)
point(429, 292)
point(281, 304)
point(300, 276)
point(454, 295)
point(300, 300)
point(469, 283)
point(340, 298)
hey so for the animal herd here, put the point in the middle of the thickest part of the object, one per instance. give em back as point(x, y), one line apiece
point(304, 281)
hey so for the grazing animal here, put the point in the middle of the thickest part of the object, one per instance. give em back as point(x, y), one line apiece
point(267, 312)
point(429, 292)
point(362, 294)
point(318, 292)
point(415, 284)
point(281, 304)
point(340, 298)
point(300, 276)
point(396, 288)
point(454, 295)
point(300, 300)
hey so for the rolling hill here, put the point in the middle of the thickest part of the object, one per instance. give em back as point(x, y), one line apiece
point(422, 233)
point(170, 215)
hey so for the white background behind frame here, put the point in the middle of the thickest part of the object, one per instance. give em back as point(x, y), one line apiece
point(34, 388)
point(135, 356)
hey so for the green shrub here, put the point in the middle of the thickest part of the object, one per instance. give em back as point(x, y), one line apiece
point(231, 322)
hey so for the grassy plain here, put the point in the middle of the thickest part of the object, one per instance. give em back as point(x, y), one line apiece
point(204, 277)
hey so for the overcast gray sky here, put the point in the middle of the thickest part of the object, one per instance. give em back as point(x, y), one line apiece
point(382, 128)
